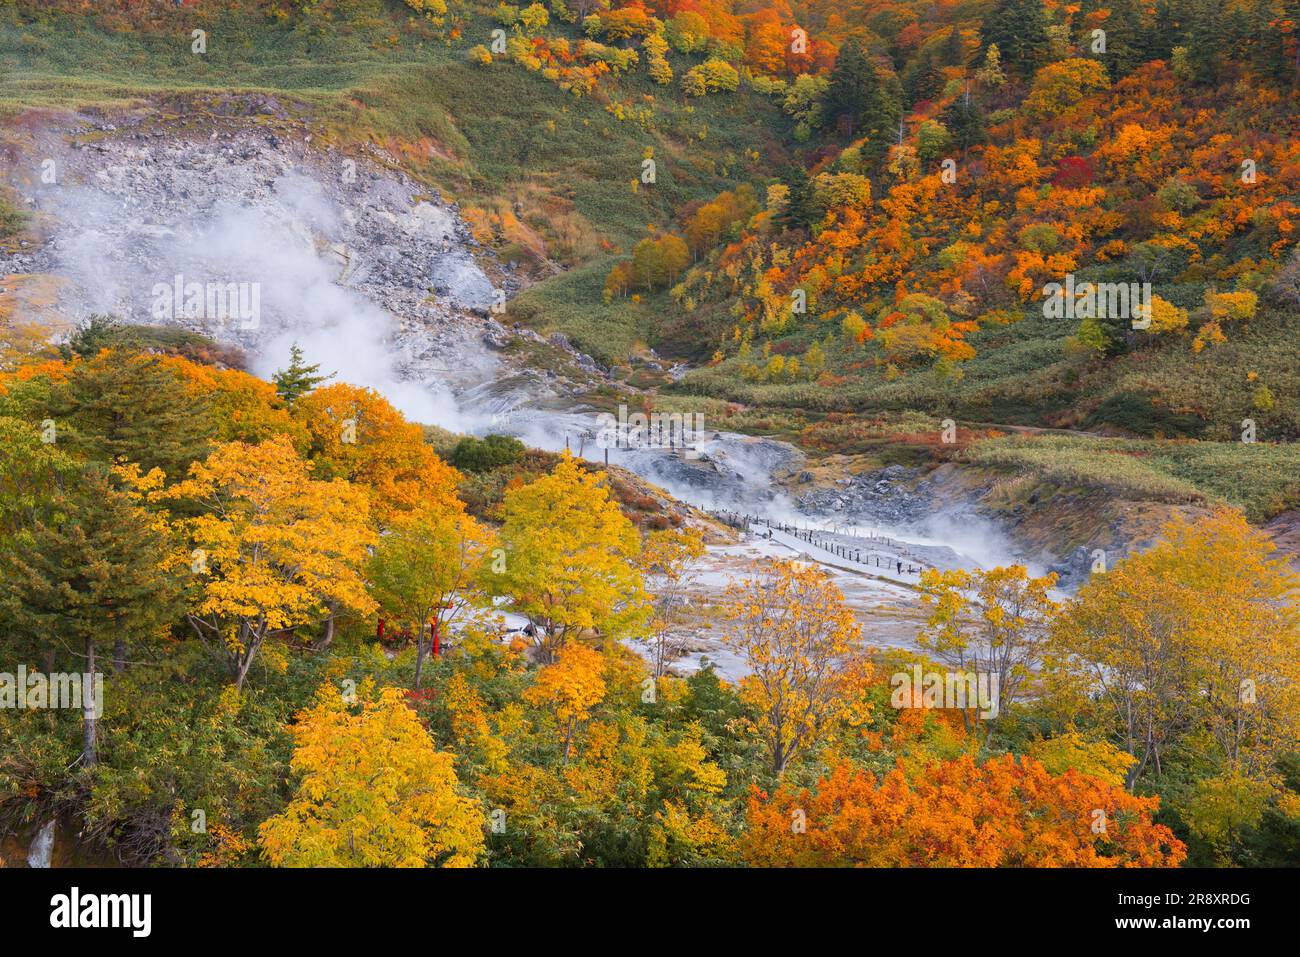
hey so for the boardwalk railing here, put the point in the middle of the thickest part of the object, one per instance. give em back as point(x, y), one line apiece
point(901, 560)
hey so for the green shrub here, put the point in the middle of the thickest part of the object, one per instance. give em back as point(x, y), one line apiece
point(11, 218)
point(482, 455)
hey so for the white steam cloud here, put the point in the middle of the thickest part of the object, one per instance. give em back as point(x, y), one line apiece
point(115, 242)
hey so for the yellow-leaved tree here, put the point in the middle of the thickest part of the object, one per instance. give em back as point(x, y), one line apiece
point(808, 670)
point(373, 791)
point(1193, 644)
point(569, 558)
point(1071, 750)
point(269, 548)
point(667, 557)
point(426, 568)
point(991, 621)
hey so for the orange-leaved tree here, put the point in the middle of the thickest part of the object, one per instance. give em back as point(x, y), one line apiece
point(570, 688)
point(1006, 812)
point(356, 434)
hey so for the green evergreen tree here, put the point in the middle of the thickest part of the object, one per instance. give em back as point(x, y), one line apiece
point(96, 333)
point(124, 405)
point(31, 470)
point(860, 102)
point(798, 212)
point(965, 121)
point(1205, 40)
point(854, 89)
point(1167, 28)
point(1019, 30)
point(299, 379)
point(886, 126)
point(1275, 52)
point(953, 51)
point(482, 455)
point(1130, 41)
point(88, 574)
point(923, 79)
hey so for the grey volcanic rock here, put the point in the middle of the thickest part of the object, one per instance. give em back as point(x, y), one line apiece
point(723, 469)
point(463, 283)
point(376, 278)
point(890, 496)
point(1073, 570)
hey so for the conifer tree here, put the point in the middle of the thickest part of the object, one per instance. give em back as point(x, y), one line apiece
point(120, 405)
point(299, 378)
point(1129, 41)
point(797, 213)
point(96, 333)
point(1167, 27)
point(860, 102)
point(90, 574)
point(854, 89)
point(965, 121)
point(1205, 40)
point(1018, 28)
point(924, 79)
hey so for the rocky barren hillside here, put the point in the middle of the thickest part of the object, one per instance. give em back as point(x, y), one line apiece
point(337, 244)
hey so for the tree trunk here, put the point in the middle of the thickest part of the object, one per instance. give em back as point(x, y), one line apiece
point(243, 662)
point(780, 758)
point(419, 656)
point(327, 638)
point(88, 719)
point(119, 655)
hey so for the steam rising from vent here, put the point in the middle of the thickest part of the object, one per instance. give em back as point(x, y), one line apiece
point(319, 258)
point(724, 471)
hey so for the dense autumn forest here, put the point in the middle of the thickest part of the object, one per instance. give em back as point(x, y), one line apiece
point(1038, 258)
